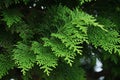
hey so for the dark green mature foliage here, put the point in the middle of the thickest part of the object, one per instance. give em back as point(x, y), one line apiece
point(48, 40)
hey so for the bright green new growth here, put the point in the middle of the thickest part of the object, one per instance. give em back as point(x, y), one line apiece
point(63, 43)
point(23, 57)
point(44, 57)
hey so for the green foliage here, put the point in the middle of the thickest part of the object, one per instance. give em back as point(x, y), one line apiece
point(24, 31)
point(54, 37)
point(60, 50)
point(7, 3)
point(64, 72)
point(108, 40)
point(11, 17)
point(6, 39)
point(5, 64)
point(23, 57)
point(44, 57)
point(72, 32)
point(83, 1)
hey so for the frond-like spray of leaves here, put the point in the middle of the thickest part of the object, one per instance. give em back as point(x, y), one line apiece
point(72, 32)
point(107, 40)
point(23, 57)
point(11, 17)
point(44, 57)
point(60, 50)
